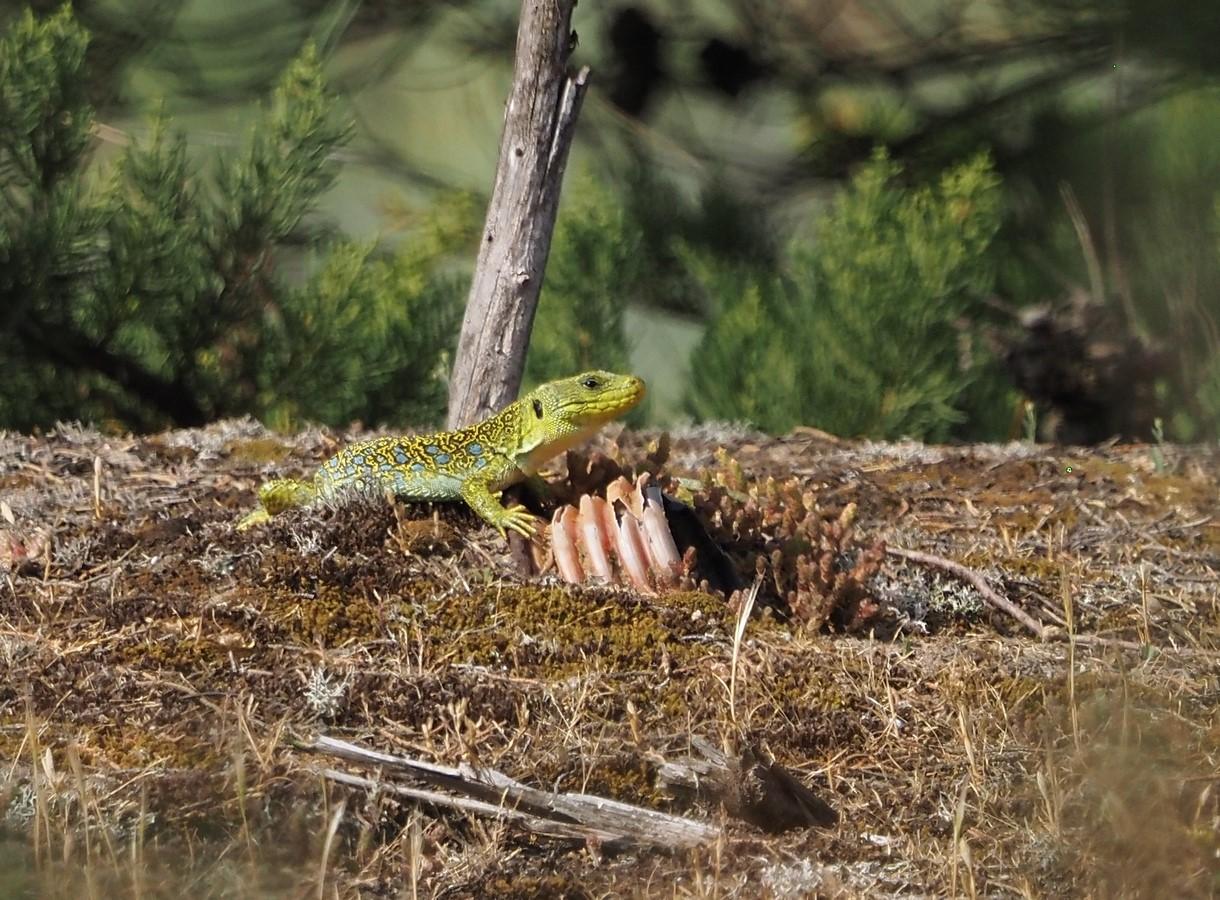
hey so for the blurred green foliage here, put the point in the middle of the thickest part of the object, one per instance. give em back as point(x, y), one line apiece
point(170, 285)
point(1158, 234)
point(1143, 245)
point(866, 330)
point(159, 290)
point(1204, 420)
point(594, 267)
point(615, 248)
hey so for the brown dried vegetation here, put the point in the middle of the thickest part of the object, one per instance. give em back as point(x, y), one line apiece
point(157, 665)
point(805, 556)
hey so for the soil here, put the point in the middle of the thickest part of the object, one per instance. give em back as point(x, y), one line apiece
point(161, 671)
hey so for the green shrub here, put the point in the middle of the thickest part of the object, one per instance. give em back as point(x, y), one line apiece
point(155, 292)
point(370, 335)
point(865, 332)
point(1203, 419)
point(593, 269)
point(628, 245)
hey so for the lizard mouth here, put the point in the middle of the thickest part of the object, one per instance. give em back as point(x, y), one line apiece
point(627, 397)
point(613, 401)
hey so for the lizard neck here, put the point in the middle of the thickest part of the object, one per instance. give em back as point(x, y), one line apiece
point(543, 438)
point(503, 431)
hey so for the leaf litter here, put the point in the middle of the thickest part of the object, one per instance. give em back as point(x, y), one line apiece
point(163, 674)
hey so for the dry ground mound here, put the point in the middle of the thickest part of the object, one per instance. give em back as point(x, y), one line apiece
point(157, 667)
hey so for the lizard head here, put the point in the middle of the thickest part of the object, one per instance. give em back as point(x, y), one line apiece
point(559, 414)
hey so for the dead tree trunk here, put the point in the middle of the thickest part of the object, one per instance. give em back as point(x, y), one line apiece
point(539, 122)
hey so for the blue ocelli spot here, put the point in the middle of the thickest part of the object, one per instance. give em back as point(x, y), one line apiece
point(400, 456)
point(443, 458)
point(474, 449)
point(417, 467)
point(387, 467)
point(480, 464)
point(358, 459)
point(432, 449)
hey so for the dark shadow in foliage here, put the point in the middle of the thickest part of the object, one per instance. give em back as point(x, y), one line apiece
point(154, 293)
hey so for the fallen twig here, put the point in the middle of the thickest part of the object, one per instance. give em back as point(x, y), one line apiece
point(490, 792)
point(550, 827)
point(997, 600)
point(1002, 603)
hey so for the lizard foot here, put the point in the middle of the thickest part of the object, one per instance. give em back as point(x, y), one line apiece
point(519, 519)
point(258, 517)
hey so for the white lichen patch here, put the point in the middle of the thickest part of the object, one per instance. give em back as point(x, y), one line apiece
point(325, 695)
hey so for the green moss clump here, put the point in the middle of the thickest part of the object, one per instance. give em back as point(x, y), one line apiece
point(805, 687)
point(557, 631)
point(628, 778)
point(174, 652)
point(331, 617)
point(261, 450)
point(533, 886)
point(137, 747)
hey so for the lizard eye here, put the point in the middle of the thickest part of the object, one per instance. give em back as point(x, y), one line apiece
point(591, 383)
point(538, 408)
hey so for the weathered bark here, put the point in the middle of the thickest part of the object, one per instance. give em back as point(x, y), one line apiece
point(539, 122)
point(751, 786)
point(488, 792)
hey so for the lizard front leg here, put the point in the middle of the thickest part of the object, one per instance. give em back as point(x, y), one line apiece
point(276, 496)
point(483, 500)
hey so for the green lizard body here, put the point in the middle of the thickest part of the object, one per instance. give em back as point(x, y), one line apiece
point(472, 464)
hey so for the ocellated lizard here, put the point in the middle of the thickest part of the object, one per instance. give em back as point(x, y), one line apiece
point(473, 463)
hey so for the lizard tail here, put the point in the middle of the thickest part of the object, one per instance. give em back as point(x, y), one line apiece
point(276, 496)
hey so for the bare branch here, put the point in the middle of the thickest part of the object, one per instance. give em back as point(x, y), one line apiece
point(539, 123)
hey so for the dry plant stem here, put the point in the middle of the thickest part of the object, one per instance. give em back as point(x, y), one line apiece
point(97, 487)
point(980, 584)
point(539, 123)
point(1002, 603)
point(331, 829)
point(1087, 247)
point(743, 617)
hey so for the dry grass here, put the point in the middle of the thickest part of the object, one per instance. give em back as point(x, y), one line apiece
point(157, 665)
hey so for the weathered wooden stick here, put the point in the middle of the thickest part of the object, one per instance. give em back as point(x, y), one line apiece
point(535, 824)
point(539, 123)
point(494, 793)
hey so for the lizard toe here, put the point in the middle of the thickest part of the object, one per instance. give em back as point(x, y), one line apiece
point(519, 519)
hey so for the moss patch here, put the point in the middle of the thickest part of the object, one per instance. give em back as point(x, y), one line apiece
point(554, 632)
